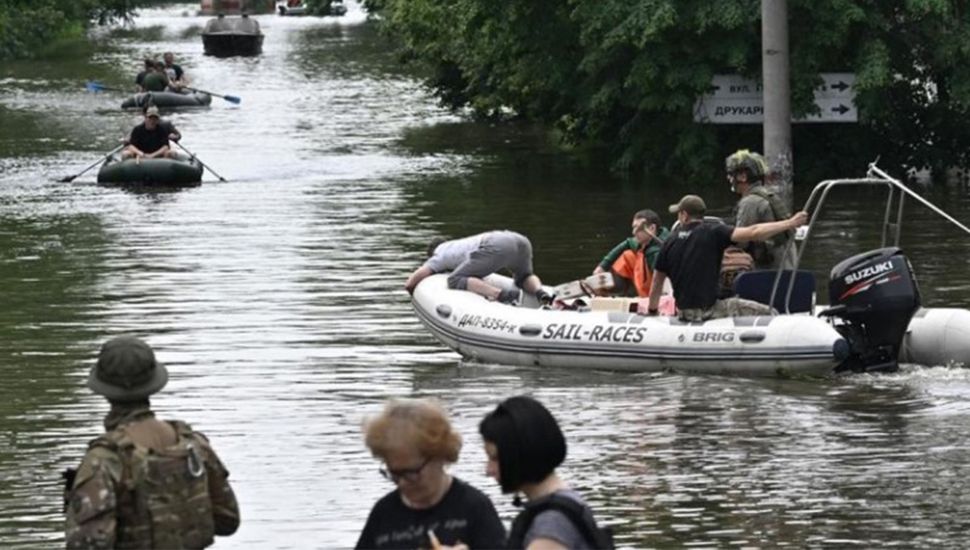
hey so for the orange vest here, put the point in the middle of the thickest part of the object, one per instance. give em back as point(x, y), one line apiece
point(632, 265)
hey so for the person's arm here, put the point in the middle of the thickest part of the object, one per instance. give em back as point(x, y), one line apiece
point(91, 504)
point(419, 275)
point(764, 231)
point(607, 262)
point(225, 508)
point(656, 289)
point(552, 530)
point(173, 133)
point(752, 211)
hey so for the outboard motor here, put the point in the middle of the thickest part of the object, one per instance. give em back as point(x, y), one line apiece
point(875, 295)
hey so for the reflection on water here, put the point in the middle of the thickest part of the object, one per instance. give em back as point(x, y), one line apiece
point(275, 300)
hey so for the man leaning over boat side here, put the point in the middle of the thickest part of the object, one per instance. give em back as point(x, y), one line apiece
point(632, 262)
point(691, 257)
point(150, 138)
point(746, 171)
point(471, 259)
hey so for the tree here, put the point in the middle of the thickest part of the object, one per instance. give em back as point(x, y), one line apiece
point(27, 26)
point(625, 74)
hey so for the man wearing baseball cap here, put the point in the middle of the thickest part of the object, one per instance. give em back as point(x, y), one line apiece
point(145, 483)
point(691, 257)
point(150, 138)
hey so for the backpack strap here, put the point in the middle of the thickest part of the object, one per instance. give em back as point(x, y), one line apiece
point(577, 513)
point(115, 440)
point(181, 428)
point(778, 208)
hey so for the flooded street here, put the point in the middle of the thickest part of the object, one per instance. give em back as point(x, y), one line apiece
point(276, 301)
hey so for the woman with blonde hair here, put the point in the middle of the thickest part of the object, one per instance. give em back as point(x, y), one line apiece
point(415, 441)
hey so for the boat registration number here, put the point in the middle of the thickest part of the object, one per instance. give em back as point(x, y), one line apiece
point(486, 323)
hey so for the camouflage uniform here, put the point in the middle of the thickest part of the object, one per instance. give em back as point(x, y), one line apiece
point(145, 483)
point(725, 307)
point(761, 205)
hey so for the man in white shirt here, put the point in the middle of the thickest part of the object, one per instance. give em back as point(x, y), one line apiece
point(472, 258)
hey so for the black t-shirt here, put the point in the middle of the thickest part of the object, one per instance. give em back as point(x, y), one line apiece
point(140, 77)
point(691, 257)
point(149, 141)
point(178, 70)
point(465, 514)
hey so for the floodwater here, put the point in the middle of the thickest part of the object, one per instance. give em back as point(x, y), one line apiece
point(276, 302)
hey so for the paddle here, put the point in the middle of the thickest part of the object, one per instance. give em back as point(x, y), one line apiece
point(93, 86)
point(204, 165)
point(229, 98)
point(69, 179)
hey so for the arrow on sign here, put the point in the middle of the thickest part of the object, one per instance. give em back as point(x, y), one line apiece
point(841, 86)
point(841, 109)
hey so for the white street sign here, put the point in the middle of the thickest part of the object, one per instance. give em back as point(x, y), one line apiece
point(737, 100)
point(836, 85)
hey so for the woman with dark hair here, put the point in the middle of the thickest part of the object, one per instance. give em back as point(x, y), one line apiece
point(428, 507)
point(524, 446)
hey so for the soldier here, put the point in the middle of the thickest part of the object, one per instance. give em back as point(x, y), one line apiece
point(746, 171)
point(145, 483)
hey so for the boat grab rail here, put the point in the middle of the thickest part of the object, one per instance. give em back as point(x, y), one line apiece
point(874, 177)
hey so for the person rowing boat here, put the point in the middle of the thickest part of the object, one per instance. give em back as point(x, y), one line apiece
point(150, 139)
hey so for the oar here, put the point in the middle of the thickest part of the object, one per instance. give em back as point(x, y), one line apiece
point(93, 86)
point(204, 165)
point(229, 98)
point(68, 179)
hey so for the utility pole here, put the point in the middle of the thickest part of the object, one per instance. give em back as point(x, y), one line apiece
point(776, 87)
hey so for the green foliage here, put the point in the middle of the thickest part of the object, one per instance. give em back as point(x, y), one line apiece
point(625, 74)
point(318, 7)
point(27, 26)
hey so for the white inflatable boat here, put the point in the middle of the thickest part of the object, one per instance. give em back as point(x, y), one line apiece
point(491, 332)
point(876, 321)
point(937, 336)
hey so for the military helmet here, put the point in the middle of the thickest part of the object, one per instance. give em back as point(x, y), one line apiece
point(747, 161)
point(126, 370)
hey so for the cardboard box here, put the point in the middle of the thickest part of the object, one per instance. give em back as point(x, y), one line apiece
point(606, 303)
point(574, 289)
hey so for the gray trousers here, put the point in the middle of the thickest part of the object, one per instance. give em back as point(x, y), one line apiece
point(499, 249)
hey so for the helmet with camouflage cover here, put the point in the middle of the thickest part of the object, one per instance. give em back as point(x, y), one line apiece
point(749, 162)
point(126, 370)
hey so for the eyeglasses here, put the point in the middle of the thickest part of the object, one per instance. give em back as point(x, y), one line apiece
point(406, 474)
